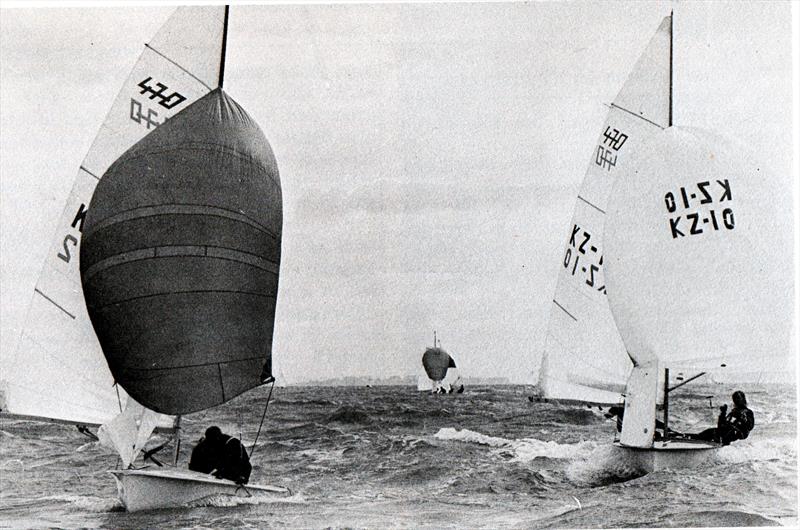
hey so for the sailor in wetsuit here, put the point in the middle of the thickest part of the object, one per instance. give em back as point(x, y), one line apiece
point(732, 426)
point(221, 455)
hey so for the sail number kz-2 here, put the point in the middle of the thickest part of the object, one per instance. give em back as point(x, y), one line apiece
point(580, 246)
point(697, 197)
point(71, 240)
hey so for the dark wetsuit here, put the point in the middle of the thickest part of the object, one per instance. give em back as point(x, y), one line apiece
point(227, 455)
point(735, 426)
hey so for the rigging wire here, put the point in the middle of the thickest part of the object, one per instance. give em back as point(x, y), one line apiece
point(253, 449)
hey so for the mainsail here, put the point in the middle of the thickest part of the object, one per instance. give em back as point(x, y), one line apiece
point(584, 358)
point(58, 371)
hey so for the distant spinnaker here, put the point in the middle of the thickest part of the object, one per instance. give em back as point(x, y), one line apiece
point(436, 361)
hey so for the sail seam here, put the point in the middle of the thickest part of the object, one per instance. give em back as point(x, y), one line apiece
point(201, 146)
point(564, 310)
point(638, 116)
point(592, 205)
point(119, 259)
point(36, 289)
point(183, 209)
point(199, 291)
point(178, 65)
point(187, 366)
point(221, 381)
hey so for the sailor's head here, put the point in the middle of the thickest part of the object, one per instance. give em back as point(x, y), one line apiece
point(213, 433)
point(738, 399)
point(615, 411)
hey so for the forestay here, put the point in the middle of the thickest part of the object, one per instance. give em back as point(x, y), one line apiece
point(58, 370)
point(584, 357)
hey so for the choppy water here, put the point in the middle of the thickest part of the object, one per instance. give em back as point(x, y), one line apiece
point(390, 456)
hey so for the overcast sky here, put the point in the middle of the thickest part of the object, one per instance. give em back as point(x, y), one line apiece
point(430, 154)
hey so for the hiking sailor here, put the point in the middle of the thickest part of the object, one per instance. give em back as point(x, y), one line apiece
point(221, 455)
point(732, 426)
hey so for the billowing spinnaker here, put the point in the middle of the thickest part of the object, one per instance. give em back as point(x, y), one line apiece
point(584, 356)
point(58, 370)
point(436, 361)
point(180, 258)
point(699, 245)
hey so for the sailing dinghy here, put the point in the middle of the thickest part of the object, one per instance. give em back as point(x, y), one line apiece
point(440, 371)
point(170, 308)
point(633, 303)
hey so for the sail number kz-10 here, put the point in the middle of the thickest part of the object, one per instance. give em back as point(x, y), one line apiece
point(703, 193)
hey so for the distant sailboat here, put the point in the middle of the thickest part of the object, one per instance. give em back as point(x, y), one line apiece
point(696, 271)
point(178, 265)
point(441, 374)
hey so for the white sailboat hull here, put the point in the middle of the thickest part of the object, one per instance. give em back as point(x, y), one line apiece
point(671, 454)
point(146, 489)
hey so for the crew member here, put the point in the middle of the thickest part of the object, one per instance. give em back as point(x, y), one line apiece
point(222, 456)
point(732, 426)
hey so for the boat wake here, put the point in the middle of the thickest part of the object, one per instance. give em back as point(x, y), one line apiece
point(586, 463)
point(230, 501)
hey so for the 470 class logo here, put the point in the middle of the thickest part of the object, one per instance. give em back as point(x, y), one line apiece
point(155, 92)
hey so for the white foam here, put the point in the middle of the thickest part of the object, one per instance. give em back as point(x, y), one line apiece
point(523, 450)
point(229, 501)
point(468, 436)
point(759, 449)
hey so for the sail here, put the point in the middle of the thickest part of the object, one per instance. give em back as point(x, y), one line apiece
point(700, 268)
point(584, 358)
point(180, 257)
point(424, 383)
point(58, 370)
point(436, 361)
point(129, 431)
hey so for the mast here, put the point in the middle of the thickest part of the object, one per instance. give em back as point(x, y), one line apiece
point(666, 402)
point(224, 46)
point(671, 25)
